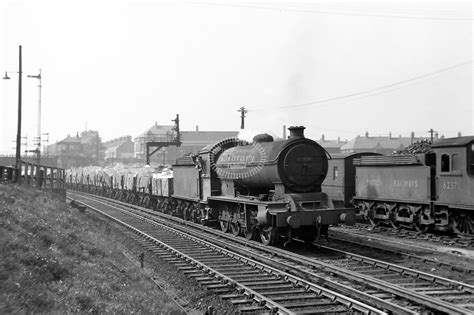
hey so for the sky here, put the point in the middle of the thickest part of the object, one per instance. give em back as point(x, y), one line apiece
point(338, 68)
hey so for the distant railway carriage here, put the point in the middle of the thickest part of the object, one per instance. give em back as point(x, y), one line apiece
point(339, 184)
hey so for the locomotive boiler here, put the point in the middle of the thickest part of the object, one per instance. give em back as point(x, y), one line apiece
point(296, 165)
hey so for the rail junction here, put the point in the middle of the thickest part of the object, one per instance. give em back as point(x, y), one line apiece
point(262, 278)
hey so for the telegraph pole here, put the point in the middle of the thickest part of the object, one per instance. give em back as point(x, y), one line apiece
point(431, 131)
point(38, 148)
point(18, 134)
point(242, 111)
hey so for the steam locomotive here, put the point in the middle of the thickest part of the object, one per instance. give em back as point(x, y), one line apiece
point(270, 189)
point(430, 191)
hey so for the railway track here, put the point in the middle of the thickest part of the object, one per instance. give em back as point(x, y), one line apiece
point(313, 279)
point(425, 237)
point(401, 254)
point(260, 287)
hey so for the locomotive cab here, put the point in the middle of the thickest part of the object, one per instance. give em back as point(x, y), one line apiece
point(454, 205)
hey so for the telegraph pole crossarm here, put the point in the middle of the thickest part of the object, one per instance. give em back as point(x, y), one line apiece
point(242, 111)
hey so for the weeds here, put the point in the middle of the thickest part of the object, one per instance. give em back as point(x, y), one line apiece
point(55, 259)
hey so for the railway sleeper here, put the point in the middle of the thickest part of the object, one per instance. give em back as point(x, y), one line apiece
point(320, 302)
point(211, 282)
point(392, 277)
point(194, 273)
point(242, 277)
point(437, 292)
point(462, 296)
point(228, 268)
point(414, 284)
point(296, 297)
point(361, 268)
point(212, 259)
point(430, 288)
point(326, 310)
point(231, 296)
point(241, 301)
point(199, 252)
point(224, 264)
point(373, 272)
point(252, 309)
point(272, 291)
point(274, 287)
point(250, 272)
point(220, 288)
point(175, 261)
point(261, 281)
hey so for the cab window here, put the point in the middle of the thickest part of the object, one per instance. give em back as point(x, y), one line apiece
point(445, 163)
point(456, 163)
point(470, 160)
point(335, 173)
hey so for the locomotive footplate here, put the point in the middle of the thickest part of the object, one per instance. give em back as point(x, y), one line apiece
point(295, 210)
point(281, 217)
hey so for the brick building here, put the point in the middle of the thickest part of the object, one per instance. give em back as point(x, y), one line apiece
point(191, 142)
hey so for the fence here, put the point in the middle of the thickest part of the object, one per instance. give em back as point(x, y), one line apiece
point(39, 176)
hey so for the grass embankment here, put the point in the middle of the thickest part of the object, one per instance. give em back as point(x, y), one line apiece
point(55, 259)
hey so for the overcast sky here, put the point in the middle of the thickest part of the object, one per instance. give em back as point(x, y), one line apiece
point(338, 68)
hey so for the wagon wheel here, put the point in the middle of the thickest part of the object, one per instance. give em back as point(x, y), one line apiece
point(249, 233)
point(268, 235)
point(235, 228)
point(224, 225)
point(417, 226)
point(462, 223)
point(196, 215)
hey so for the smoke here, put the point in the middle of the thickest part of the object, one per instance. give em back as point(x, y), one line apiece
point(248, 134)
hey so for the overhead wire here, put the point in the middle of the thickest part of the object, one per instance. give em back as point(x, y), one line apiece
point(379, 89)
point(281, 9)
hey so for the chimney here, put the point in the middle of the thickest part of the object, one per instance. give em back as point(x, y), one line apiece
point(390, 134)
point(412, 137)
point(338, 139)
point(459, 134)
point(366, 134)
point(197, 128)
point(284, 132)
point(322, 137)
point(436, 135)
point(296, 132)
